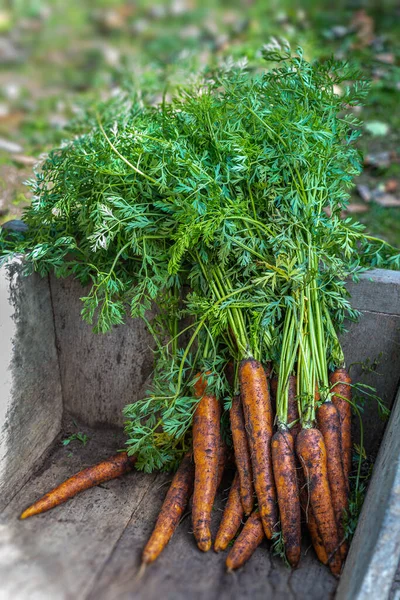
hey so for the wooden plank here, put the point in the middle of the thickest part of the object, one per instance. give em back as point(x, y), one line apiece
point(30, 391)
point(59, 555)
point(100, 374)
point(376, 337)
point(182, 571)
point(373, 558)
point(377, 290)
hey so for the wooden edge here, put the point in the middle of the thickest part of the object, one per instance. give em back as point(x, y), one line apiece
point(374, 554)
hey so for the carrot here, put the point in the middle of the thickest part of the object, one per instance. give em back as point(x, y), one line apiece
point(206, 452)
point(222, 460)
point(340, 380)
point(284, 463)
point(172, 509)
point(311, 451)
point(293, 409)
point(246, 543)
point(329, 424)
point(111, 468)
point(242, 455)
point(311, 523)
point(259, 423)
point(232, 517)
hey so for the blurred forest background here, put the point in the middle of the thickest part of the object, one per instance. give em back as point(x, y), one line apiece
point(59, 56)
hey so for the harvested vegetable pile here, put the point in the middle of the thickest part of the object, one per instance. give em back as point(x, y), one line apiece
point(222, 208)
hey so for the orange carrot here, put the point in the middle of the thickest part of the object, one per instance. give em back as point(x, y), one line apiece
point(232, 517)
point(259, 423)
point(172, 509)
point(340, 380)
point(248, 540)
point(111, 468)
point(311, 451)
point(242, 455)
point(206, 452)
point(222, 460)
point(306, 507)
point(284, 463)
point(329, 425)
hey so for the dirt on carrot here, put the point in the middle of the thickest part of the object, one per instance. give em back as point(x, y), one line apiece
point(172, 509)
point(232, 517)
point(259, 423)
point(311, 451)
point(284, 464)
point(340, 381)
point(329, 424)
point(111, 468)
point(206, 452)
point(247, 542)
point(242, 455)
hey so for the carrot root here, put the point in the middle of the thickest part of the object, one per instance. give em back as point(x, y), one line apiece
point(242, 455)
point(172, 510)
point(231, 519)
point(248, 540)
point(284, 464)
point(311, 451)
point(340, 382)
point(259, 422)
point(207, 454)
point(329, 425)
point(109, 469)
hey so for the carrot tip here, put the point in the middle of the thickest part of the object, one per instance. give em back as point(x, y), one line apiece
point(141, 571)
point(204, 546)
point(27, 513)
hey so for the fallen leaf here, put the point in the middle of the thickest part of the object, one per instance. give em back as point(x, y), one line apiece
point(379, 160)
point(26, 161)
point(387, 200)
point(391, 185)
point(364, 27)
point(357, 208)
point(364, 192)
point(377, 128)
point(10, 147)
point(386, 57)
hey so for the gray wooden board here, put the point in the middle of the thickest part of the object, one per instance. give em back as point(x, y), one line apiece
point(100, 374)
point(374, 553)
point(30, 390)
point(59, 555)
point(182, 571)
point(90, 547)
point(375, 337)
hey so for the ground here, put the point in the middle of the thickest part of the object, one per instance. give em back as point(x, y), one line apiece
point(58, 58)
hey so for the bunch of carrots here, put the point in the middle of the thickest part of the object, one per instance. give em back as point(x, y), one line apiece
point(283, 478)
point(233, 190)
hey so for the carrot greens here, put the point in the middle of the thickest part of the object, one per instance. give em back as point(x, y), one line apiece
point(216, 218)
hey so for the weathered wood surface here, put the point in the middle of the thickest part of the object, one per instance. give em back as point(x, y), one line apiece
point(90, 547)
point(100, 374)
point(30, 392)
point(60, 554)
point(375, 338)
point(373, 558)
